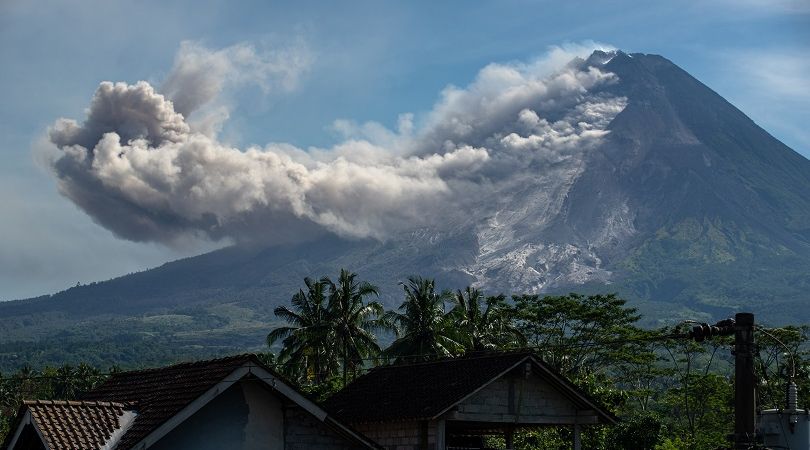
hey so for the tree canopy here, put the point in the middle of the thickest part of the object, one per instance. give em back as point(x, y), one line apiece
point(670, 392)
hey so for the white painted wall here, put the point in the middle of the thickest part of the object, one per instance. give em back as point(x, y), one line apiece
point(530, 397)
point(265, 425)
point(250, 416)
point(247, 416)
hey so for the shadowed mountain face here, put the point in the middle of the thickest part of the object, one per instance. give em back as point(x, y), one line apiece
point(721, 208)
point(688, 209)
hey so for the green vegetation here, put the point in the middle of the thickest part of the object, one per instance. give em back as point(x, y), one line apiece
point(670, 393)
point(63, 382)
point(423, 327)
point(326, 335)
point(147, 340)
point(487, 322)
point(715, 267)
point(353, 320)
point(307, 342)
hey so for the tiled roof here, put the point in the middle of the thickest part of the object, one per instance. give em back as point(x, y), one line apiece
point(75, 425)
point(147, 399)
point(158, 394)
point(425, 390)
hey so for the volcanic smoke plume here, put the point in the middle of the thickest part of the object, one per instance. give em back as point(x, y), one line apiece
point(143, 167)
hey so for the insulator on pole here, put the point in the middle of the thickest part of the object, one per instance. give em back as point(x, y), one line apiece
point(792, 396)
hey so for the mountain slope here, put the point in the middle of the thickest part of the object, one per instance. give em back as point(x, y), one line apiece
point(687, 208)
point(721, 206)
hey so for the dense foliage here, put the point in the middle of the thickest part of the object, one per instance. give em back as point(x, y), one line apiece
point(331, 327)
point(63, 382)
point(670, 392)
point(423, 326)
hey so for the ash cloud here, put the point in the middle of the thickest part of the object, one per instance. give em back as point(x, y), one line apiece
point(142, 170)
point(199, 75)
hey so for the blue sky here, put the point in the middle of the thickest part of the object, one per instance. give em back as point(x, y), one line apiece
point(366, 61)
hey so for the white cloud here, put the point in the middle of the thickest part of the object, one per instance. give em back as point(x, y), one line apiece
point(772, 6)
point(770, 85)
point(780, 73)
point(199, 75)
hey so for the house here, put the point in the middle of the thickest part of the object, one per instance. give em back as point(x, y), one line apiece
point(47, 424)
point(229, 403)
point(452, 403)
point(239, 403)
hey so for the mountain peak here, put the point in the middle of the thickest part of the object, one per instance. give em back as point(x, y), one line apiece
point(684, 206)
point(601, 57)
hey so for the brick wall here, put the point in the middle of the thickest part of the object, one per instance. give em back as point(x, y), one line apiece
point(400, 435)
point(302, 431)
point(516, 394)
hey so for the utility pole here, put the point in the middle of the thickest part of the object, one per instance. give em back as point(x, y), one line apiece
point(742, 327)
point(744, 387)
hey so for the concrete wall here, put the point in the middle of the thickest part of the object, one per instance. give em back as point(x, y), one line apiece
point(250, 416)
point(28, 440)
point(401, 435)
point(306, 432)
point(530, 399)
point(246, 416)
point(515, 394)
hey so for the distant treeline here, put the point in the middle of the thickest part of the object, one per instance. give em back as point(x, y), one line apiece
point(64, 383)
point(671, 393)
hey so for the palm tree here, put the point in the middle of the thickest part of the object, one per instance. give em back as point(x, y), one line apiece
point(354, 321)
point(423, 327)
point(485, 323)
point(307, 348)
point(64, 383)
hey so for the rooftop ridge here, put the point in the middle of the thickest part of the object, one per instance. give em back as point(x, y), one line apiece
point(185, 364)
point(423, 389)
point(428, 389)
point(485, 354)
point(95, 403)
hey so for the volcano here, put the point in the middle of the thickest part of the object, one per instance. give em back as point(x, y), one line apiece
point(687, 208)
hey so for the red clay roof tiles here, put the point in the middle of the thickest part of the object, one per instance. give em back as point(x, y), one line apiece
point(158, 394)
point(71, 425)
point(155, 395)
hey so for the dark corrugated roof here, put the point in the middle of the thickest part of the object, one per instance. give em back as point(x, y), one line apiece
point(425, 390)
point(73, 425)
point(158, 394)
point(416, 391)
